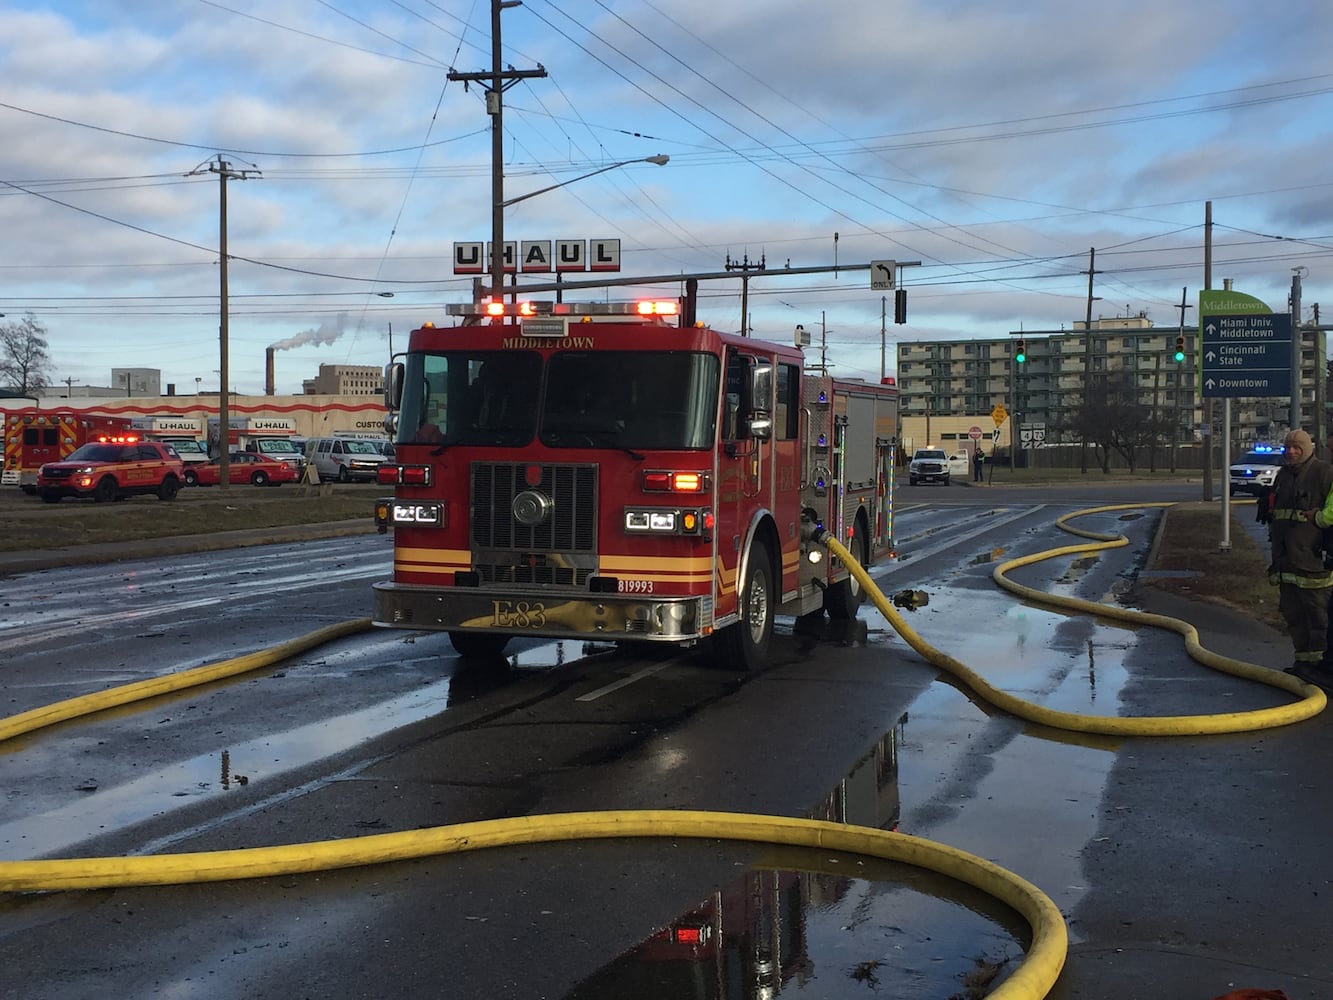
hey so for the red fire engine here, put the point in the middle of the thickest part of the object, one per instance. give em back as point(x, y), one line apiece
point(33, 437)
point(601, 472)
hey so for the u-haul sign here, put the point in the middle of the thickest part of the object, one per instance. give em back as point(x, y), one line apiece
point(540, 256)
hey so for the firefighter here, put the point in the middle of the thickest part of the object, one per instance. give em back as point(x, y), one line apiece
point(1302, 509)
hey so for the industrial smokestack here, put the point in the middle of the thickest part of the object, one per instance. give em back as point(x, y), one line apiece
point(268, 371)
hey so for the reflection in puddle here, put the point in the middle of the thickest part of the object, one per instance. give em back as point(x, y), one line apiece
point(814, 923)
point(811, 928)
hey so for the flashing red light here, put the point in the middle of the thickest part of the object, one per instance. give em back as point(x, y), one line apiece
point(708, 520)
point(527, 309)
point(658, 308)
point(675, 482)
point(495, 308)
point(689, 935)
point(403, 475)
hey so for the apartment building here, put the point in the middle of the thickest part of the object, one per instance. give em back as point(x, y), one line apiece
point(950, 389)
point(345, 380)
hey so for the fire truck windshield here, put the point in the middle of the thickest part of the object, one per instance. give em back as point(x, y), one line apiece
point(589, 399)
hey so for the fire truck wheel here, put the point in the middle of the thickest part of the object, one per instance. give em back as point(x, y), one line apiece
point(260, 478)
point(745, 644)
point(843, 598)
point(191, 477)
point(169, 488)
point(479, 645)
point(104, 490)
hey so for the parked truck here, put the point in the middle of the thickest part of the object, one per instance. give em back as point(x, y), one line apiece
point(188, 435)
point(603, 472)
point(273, 437)
point(34, 437)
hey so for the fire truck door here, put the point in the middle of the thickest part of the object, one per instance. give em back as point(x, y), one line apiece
point(744, 463)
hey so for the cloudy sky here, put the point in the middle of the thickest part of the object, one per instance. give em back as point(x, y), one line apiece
point(993, 141)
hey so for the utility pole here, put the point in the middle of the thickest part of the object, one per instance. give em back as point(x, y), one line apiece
point(496, 81)
point(69, 387)
point(1207, 407)
point(225, 173)
point(883, 335)
point(1087, 357)
point(1180, 374)
point(1295, 421)
point(745, 267)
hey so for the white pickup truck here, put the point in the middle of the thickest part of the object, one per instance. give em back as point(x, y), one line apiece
point(928, 465)
point(935, 465)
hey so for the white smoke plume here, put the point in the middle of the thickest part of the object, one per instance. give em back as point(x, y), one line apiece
point(325, 333)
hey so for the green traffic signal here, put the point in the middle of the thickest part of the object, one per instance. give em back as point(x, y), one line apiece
point(1180, 349)
point(1020, 353)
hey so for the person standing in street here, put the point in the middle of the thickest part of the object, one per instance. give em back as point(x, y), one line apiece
point(978, 463)
point(1302, 509)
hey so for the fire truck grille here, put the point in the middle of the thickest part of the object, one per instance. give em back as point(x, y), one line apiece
point(568, 526)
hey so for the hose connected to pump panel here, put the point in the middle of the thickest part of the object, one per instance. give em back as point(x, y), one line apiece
point(1031, 980)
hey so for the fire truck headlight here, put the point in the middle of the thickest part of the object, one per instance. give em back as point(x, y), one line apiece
point(651, 520)
point(815, 555)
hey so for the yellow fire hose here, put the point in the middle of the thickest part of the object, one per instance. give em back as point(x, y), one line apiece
point(1313, 699)
point(1032, 980)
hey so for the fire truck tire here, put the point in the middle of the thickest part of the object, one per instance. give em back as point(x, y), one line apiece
point(191, 477)
point(105, 490)
point(169, 488)
point(843, 598)
point(479, 645)
point(260, 478)
point(745, 644)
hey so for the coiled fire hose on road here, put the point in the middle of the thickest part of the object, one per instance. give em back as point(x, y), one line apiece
point(1313, 700)
point(1031, 980)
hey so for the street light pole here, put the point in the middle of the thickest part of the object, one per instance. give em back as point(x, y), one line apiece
point(659, 160)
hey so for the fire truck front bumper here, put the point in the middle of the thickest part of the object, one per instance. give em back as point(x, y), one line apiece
point(547, 615)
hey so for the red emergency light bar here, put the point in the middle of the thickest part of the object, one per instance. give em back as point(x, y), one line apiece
point(495, 310)
point(118, 439)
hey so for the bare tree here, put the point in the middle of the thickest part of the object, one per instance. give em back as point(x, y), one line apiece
point(25, 366)
point(1112, 418)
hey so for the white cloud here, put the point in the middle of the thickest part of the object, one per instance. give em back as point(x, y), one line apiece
point(996, 142)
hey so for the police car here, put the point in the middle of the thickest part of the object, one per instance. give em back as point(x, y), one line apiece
point(1255, 471)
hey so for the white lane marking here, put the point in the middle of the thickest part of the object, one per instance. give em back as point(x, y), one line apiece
point(638, 675)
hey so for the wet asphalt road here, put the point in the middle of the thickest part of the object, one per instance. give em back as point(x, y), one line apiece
point(1172, 859)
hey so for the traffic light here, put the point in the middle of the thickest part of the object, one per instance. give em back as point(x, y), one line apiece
point(1021, 351)
point(1180, 349)
point(900, 305)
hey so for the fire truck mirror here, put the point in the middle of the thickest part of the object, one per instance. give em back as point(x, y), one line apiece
point(761, 388)
point(761, 426)
point(393, 385)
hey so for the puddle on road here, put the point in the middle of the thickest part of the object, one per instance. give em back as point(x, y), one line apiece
point(230, 769)
point(821, 924)
point(1025, 796)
